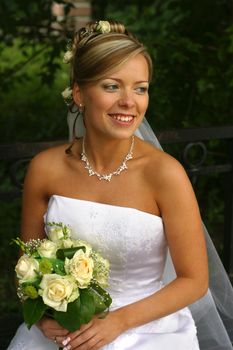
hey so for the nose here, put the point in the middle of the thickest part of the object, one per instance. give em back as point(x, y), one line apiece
point(126, 99)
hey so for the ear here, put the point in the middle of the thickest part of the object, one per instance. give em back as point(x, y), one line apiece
point(77, 95)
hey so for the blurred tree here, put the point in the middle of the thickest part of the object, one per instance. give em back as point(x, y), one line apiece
point(32, 37)
point(33, 29)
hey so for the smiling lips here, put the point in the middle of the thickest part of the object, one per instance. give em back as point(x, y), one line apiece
point(123, 118)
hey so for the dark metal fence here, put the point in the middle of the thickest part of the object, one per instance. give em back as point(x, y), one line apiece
point(199, 140)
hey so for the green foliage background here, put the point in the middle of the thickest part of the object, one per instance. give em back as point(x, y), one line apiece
point(191, 43)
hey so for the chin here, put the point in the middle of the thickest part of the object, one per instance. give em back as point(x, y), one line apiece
point(123, 135)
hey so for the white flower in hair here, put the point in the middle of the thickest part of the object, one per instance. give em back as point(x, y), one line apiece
point(103, 27)
point(68, 56)
point(67, 94)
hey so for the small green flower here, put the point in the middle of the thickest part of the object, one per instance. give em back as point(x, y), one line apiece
point(45, 266)
point(31, 292)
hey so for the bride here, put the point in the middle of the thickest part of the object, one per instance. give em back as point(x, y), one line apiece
point(129, 199)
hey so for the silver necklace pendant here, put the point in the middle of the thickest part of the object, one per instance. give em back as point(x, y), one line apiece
point(107, 177)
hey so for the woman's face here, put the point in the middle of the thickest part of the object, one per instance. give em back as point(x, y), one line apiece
point(115, 105)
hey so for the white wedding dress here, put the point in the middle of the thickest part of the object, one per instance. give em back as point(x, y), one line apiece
point(135, 244)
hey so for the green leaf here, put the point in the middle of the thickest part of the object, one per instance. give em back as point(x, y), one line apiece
point(68, 252)
point(33, 310)
point(87, 305)
point(71, 318)
point(20, 243)
point(58, 266)
point(102, 294)
point(78, 312)
point(34, 283)
point(100, 306)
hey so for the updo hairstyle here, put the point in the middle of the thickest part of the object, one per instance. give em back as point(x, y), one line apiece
point(98, 51)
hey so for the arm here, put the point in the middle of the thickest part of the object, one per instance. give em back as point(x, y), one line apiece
point(184, 232)
point(183, 228)
point(35, 200)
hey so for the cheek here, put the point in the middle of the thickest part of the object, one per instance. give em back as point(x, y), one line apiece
point(98, 104)
point(144, 105)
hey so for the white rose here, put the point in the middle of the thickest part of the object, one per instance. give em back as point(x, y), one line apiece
point(47, 249)
point(67, 243)
point(104, 27)
point(68, 56)
point(80, 243)
point(67, 93)
point(57, 291)
point(80, 267)
point(55, 233)
point(27, 268)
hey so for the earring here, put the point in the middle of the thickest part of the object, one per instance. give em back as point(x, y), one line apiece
point(81, 108)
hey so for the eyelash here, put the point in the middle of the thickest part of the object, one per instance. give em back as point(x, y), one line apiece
point(109, 87)
point(113, 87)
point(142, 89)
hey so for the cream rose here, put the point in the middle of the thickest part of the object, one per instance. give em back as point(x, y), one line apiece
point(57, 291)
point(57, 233)
point(79, 243)
point(80, 267)
point(67, 93)
point(67, 243)
point(47, 249)
point(104, 27)
point(27, 268)
point(68, 56)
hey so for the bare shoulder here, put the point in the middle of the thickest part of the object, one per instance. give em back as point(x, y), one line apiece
point(160, 168)
point(50, 157)
point(45, 166)
point(169, 183)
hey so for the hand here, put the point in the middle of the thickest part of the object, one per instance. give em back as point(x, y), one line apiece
point(95, 334)
point(52, 330)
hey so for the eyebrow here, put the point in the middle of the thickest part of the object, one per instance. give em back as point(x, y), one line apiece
point(136, 82)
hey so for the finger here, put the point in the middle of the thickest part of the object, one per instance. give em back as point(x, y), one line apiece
point(82, 339)
point(92, 344)
point(47, 323)
point(54, 333)
point(59, 340)
point(82, 329)
point(60, 332)
point(98, 345)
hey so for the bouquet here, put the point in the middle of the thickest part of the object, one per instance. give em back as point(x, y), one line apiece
point(62, 278)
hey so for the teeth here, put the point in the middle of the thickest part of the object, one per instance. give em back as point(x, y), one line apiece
point(122, 118)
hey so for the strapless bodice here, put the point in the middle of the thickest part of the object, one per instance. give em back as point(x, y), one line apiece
point(132, 240)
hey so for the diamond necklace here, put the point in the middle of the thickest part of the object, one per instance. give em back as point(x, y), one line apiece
point(107, 177)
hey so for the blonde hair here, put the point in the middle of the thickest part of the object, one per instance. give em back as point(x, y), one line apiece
point(98, 53)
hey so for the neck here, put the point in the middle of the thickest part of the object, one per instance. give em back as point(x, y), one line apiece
point(106, 155)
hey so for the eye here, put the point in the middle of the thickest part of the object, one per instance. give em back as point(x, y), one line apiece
point(110, 87)
point(141, 89)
